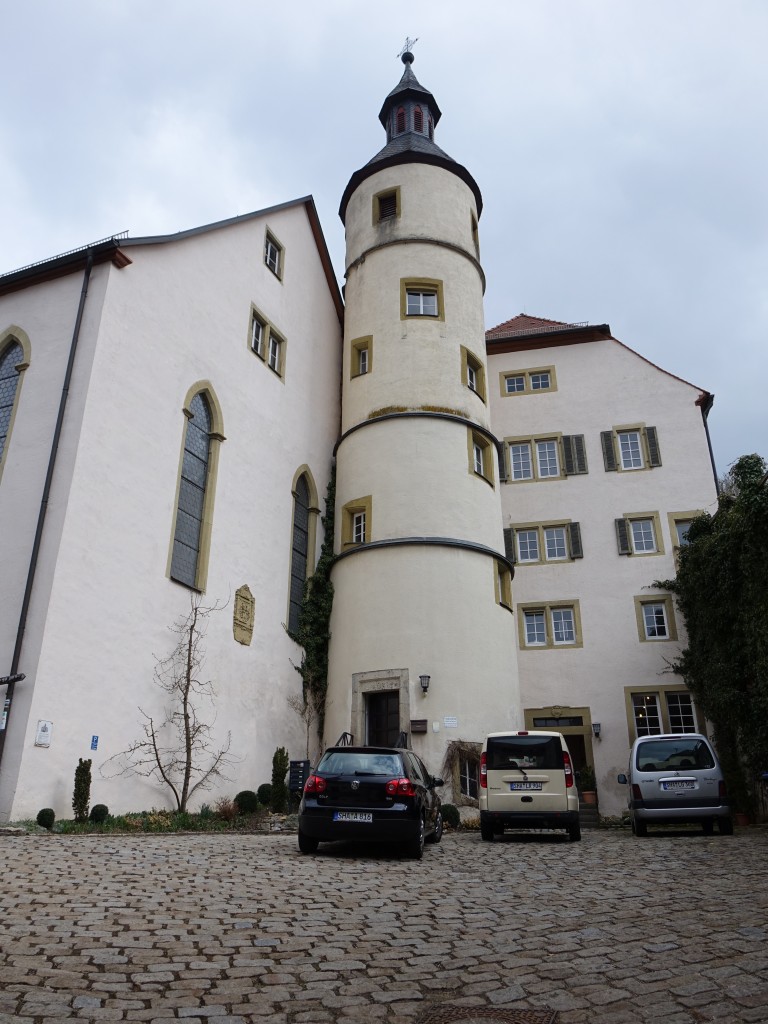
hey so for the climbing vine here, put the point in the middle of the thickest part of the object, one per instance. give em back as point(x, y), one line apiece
point(721, 590)
point(313, 632)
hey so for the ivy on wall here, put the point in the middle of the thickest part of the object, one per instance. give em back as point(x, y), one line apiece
point(313, 632)
point(722, 592)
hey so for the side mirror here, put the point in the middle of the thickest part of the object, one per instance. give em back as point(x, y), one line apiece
point(622, 778)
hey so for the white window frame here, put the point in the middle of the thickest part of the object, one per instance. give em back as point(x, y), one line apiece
point(257, 342)
point(362, 361)
point(273, 255)
point(563, 624)
point(643, 536)
point(555, 534)
point(519, 535)
point(633, 458)
point(544, 469)
point(471, 378)
point(651, 606)
point(275, 352)
point(477, 458)
point(358, 527)
point(417, 299)
point(538, 378)
point(535, 619)
point(514, 377)
point(523, 454)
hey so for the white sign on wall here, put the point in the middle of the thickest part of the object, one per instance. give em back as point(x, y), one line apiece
point(450, 722)
point(43, 734)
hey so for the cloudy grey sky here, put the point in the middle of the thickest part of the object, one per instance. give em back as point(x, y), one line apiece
point(620, 145)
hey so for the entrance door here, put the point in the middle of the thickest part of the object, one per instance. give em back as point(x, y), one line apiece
point(383, 718)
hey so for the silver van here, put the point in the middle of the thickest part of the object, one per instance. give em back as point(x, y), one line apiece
point(527, 781)
point(676, 779)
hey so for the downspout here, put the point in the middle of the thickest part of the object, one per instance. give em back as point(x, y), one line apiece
point(706, 404)
point(44, 501)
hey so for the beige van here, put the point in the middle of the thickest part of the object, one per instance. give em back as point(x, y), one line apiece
point(527, 781)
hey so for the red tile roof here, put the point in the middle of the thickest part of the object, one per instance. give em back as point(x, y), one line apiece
point(523, 324)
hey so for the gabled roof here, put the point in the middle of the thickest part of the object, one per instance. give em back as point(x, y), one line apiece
point(113, 250)
point(525, 333)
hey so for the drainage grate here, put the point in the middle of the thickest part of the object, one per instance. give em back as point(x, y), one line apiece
point(445, 1014)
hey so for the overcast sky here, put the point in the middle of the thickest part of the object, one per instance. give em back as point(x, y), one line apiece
point(620, 145)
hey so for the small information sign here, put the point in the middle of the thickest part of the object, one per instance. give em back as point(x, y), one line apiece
point(94, 742)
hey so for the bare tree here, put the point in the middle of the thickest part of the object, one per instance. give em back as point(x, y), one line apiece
point(178, 750)
point(308, 709)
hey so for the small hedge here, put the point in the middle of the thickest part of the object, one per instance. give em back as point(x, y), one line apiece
point(99, 814)
point(451, 816)
point(264, 793)
point(46, 817)
point(247, 802)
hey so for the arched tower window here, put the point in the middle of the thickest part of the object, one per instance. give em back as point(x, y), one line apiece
point(418, 120)
point(299, 550)
point(11, 365)
point(194, 507)
point(400, 121)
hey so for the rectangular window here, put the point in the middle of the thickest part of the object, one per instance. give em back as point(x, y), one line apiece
point(275, 352)
point(527, 545)
point(535, 629)
point(550, 626)
point(273, 255)
point(546, 457)
point(554, 539)
point(387, 205)
point(477, 453)
point(480, 455)
point(421, 303)
point(361, 354)
point(258, 332)
point(471, 378)
point(563, 631)
point(472, 372)
point(358, 528)
point(661, 711)
point(522, 467)
point(630, 448)
point(503, 583)
point(533, 381)
point(681, 529)
point(643, 536)
point(655, 618)
point(468, 778)
point(421, 297)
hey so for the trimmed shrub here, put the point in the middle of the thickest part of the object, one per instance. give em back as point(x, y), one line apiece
point(82, 794)
point(46, 818)
point(280, 763)
point(451, 815)
point(99, 814)
point(264, 793)
point(247, 802)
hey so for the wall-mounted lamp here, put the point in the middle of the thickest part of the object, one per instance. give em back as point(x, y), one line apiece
point(596, 730)
point(424, 680)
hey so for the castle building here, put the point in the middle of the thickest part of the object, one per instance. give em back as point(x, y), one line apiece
point(507, 503)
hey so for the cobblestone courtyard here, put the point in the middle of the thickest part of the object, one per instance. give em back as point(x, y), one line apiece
point(673, 928)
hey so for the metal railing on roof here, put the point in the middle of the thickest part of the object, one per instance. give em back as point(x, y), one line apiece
point(70, 252)
point(502, 333)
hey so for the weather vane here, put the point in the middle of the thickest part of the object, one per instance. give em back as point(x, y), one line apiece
point(409, 44)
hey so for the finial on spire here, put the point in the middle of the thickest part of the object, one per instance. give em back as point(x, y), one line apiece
point(405, 54)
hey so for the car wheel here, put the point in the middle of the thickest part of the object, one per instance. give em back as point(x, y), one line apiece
point(437, 835)
point(307, 844)
point(487, 833)
point(725, 826)
point(574, 833)
point(708, 826)
point(416, 846)
point(639, 828)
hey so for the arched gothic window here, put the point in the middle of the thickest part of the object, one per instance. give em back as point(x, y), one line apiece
point(400, 120)
point(190, 512)
point(418, 120)
point(299, 550)
point(9, 382)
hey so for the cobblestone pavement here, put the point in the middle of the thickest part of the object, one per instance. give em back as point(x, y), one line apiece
point(240, 928)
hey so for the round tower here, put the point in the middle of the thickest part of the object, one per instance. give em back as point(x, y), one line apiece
point(422, 629)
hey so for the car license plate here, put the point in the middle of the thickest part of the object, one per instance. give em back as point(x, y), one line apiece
point(515, 786)
point(363, 816)
point(676, 784)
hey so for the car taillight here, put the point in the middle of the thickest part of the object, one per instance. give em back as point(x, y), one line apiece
point(568, 770)
point(315, 784)
point(400, 787)
point(636, 792)
point(722, 792)
point(483, 771)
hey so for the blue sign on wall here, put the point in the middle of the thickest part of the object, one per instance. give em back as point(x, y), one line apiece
point(94, 742)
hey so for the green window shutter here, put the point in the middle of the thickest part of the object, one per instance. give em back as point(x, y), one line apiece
point(509, 543)
point(574, 454)
point(622, 537)
point(654, 454)
point(609, 452)
point(574, 540)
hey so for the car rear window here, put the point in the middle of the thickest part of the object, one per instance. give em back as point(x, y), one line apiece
point(351, 762)
point(524, 752)
point(668, 755)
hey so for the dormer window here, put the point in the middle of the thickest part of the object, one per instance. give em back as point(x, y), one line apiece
point(400, 121)
point(418, 120)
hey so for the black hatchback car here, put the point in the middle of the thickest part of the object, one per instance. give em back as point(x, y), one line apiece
point(375, 794)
